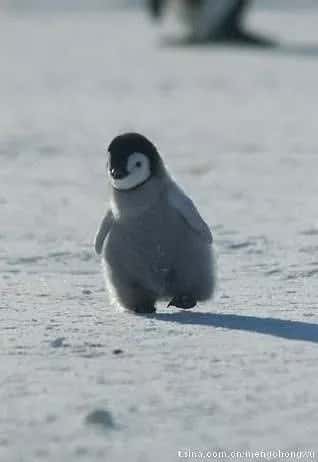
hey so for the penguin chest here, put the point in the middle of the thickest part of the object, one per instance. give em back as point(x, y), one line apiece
point(144, 247)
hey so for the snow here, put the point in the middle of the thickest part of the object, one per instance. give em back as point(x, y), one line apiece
point(238, 128)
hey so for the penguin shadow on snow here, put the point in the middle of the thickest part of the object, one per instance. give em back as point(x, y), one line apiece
point(282, 328)
point(244, 40)
point(255, 42)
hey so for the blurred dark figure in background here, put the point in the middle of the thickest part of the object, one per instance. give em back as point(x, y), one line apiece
point(156, 7)
point(212, 20)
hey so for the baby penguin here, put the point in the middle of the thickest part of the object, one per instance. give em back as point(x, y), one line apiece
point(154, 242)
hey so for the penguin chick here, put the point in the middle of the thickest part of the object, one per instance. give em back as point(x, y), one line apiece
point(154, 243)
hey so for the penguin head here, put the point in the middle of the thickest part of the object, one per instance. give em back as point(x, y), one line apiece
point(133, 160)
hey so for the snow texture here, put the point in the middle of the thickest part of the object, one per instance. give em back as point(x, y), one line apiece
point(238, 128)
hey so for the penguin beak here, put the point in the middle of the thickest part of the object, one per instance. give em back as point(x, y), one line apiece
point(118, 173)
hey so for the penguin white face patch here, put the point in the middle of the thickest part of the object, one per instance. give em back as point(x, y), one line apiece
point(138, 171)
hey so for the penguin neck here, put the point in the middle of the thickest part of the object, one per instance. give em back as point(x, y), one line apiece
point(132, 203)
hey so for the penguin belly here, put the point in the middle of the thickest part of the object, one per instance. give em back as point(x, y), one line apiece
point(139, 253)
point(157, 254)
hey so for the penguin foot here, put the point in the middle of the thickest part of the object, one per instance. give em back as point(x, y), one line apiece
point(183, 301)
point(144, 309)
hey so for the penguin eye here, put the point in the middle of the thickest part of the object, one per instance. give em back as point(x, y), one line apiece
point(137, 162)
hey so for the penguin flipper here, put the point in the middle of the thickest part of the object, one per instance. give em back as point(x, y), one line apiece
point(102, 232)
point(186, 208)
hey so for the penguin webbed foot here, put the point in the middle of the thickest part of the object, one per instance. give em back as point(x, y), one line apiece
point(186, 302)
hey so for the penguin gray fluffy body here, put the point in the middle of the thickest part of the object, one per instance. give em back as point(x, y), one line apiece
point(154, 243)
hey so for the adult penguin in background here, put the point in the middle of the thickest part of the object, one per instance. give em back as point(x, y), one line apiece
point(156, 7)
point(212, 20)
point(154, 243)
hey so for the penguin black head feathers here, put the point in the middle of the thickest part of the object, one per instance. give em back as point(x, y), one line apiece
point(132, 161)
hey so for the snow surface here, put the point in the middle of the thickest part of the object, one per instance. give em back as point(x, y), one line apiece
point(238, 127)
